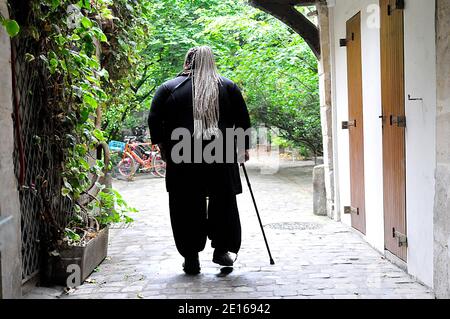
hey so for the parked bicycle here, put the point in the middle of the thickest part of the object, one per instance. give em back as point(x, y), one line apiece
point(139, 157)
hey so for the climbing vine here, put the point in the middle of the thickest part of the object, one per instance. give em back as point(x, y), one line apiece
point(72, 40)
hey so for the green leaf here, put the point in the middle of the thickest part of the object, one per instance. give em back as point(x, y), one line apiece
point(55, 3)
point(81, 149)
point(93, 63)
point(90, 100)
point(84, 164)
point(98, 134)
point(128, 219)
point(75, 37)
point(65, 192)
point(70, 234)
point(12, 27)
point(84, 112)
point(77, 208)
point(86, 22)
point(103, 37)
point(53, 65)
point(85, 4)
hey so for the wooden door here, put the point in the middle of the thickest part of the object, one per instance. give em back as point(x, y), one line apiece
point(355, 124)
point(394, 123)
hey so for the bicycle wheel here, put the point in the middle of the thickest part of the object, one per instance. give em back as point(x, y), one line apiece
point(127, 166)
point(159, 166)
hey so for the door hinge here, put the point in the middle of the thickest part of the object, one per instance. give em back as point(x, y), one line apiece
point(399, 5)
point(400, 121)
point(344, 42)
point(402, 239)
point(383, 120)
point(347, 124)
point(348, 210)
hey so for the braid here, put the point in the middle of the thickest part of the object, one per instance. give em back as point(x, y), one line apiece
point(205, 91)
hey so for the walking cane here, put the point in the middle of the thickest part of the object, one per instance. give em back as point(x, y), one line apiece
point(257, 214)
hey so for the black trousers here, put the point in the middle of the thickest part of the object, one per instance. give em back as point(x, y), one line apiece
point(194, 219)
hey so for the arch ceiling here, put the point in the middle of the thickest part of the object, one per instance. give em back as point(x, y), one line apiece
point(285, 11)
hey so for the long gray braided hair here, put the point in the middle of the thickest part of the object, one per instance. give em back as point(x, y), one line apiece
point(200, 65)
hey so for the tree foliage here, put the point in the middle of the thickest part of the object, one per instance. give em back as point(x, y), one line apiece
point(272, 64)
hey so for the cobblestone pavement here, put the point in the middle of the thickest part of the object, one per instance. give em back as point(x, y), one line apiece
point(315, 256)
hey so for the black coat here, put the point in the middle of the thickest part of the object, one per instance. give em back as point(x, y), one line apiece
point(172, 108)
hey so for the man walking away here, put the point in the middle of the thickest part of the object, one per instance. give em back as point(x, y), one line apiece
point(202, 194)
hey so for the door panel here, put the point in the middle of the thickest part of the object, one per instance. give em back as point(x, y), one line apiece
point(393, 105)
point(356, 119)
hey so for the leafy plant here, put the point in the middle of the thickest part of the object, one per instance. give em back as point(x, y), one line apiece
point(73, 39)
point(111, 208)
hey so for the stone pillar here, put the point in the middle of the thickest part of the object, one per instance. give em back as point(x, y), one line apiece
point(442, 199)
point(326, 105)
point(319, 191)
point(10, 260)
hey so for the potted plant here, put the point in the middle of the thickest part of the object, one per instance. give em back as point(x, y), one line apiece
point(85, 242)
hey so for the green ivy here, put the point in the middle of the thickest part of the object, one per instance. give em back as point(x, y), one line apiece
point(113, 208)
point(74, 41)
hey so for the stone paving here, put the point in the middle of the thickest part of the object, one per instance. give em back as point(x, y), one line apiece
point(315, 256)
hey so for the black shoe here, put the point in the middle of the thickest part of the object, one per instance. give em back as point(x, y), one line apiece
point(191, 265)
point(222, 258)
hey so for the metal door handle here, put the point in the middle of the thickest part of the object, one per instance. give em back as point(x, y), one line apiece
point(399, 5)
